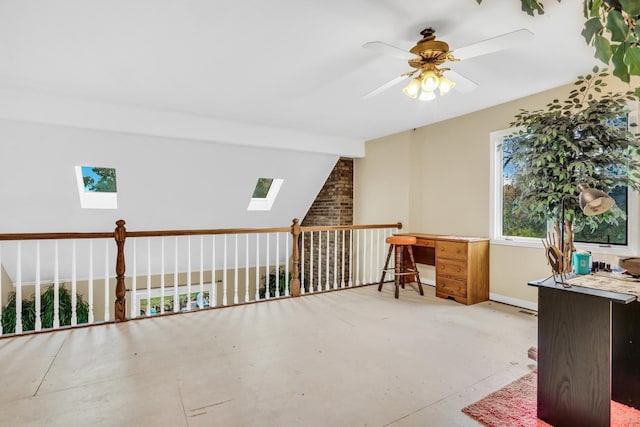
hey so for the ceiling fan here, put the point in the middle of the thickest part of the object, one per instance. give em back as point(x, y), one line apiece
point(428, 56)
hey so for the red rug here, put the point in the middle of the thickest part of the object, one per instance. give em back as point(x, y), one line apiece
point(515, 406)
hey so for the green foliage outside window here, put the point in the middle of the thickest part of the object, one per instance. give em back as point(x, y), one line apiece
point(99, 180)
point(571, 141)
point(262, 188)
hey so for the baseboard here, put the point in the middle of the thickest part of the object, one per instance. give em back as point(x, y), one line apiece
point(514, 301)
point(427, 282)
point(498, 298)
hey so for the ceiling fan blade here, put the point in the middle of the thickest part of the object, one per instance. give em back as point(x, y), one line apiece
point(386, 86)
point(463, 84)
point(494, 44)
point(389, 50)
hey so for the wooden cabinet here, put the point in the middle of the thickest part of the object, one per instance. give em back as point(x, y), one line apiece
point(462, 265)
point(462, 271)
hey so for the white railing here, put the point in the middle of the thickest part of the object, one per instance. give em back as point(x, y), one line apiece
point(81, 277)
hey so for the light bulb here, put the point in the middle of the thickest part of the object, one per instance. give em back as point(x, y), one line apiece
point(427, 96)
point(412, 89)
point(445, 85)
point(430, 81)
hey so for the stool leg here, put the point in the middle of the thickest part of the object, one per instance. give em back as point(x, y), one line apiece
point(384, 270)
point(415, 268)
point(398, 279)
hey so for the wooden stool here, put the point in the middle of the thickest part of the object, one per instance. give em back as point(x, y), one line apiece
point(402, 245)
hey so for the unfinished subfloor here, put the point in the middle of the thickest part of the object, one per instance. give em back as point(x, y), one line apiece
point(348, 358)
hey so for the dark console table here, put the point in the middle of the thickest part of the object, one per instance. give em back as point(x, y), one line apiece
point(588, 353)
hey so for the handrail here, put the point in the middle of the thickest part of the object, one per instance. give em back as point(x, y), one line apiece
point(397, 225)
point(194, 232)
point(120, 235)
point(54, 236)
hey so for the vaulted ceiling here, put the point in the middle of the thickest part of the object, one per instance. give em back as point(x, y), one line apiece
point(282, 73)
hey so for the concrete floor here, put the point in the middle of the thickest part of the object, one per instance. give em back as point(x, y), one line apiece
point(349, 358)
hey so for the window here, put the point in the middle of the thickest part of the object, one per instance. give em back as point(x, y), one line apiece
point(512, 228)
point(97, 187)
point(264, 194)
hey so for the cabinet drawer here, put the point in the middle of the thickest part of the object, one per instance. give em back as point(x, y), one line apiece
point(451, 250)
point(451, 268)
point(452, 287)
point(421, 241)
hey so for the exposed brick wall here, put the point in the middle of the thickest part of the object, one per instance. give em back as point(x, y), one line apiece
point(332, 206)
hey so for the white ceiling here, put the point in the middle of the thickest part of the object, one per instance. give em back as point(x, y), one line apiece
point(295, 67)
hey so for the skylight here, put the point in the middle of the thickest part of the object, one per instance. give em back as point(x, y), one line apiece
point(264, 194)
point(97, 187)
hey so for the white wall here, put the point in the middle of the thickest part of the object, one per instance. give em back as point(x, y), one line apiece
point(163, 183)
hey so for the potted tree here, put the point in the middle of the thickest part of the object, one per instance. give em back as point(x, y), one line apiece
point(582, 139)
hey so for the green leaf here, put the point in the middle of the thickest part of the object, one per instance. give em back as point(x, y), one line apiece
point(532, 6)
point(591, 7)
point(620, 69)
point(616, 26)
point(632, 59)
point(632, 7)
point(603, 49)
point(637, 92)
point(592, 27)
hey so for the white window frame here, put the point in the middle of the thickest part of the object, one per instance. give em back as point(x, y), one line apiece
point(93, 200)
point(495, 216)
point(266, 203)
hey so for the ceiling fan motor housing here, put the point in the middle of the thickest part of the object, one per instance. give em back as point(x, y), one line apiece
point(430, 51)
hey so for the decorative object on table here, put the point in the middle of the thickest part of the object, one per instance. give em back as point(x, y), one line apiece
point(571, 141)
point(592, 202)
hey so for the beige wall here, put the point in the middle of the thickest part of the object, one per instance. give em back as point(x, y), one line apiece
point(436, 179)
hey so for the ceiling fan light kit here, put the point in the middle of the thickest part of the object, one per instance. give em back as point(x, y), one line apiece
point(430, 53)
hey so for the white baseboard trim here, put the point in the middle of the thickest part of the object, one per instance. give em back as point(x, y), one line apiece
point(427, 282)
point(514, 301)
point(498, 298)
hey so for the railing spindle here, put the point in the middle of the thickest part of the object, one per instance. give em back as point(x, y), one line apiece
point(224, 272)
point(235, 272)
point(286, 267)
point(38, 294)
point(176, 295)
point(90, 284)
point(56, 287)
point(311, 257)
point(335, 259)
point(327, 256)
point(319, 288)
point(257, 297)
point(277, 295)
point(106, 281)
point(378, 247)
point(135, 310)
point(246, 269)
point(343, 278)
point(201, 272)
point(213, 298)
point(18, 329)
point(148, 276)
point(267, 293)
point(162, 284)
point(74, 285)
point(188, 273)
point(302, 264)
